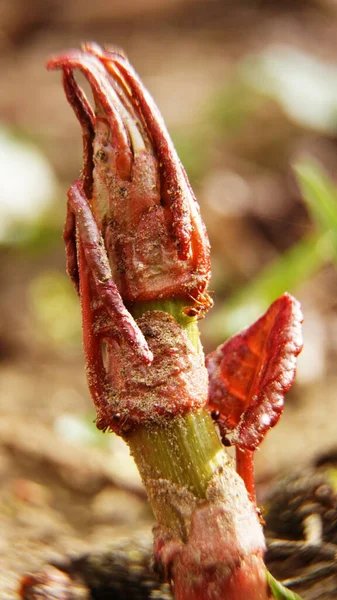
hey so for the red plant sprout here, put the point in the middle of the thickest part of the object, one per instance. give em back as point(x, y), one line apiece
point(133, 230)
point(249, 376)
point(139, 194)
point(138, 255)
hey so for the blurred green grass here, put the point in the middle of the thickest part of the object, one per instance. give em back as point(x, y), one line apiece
point(294, 267)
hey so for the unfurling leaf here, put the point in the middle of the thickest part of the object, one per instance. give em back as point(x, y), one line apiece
point(250, 373)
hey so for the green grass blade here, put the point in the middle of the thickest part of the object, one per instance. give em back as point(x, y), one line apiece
point(320, 194)
point(279, 591)
point(294, 267)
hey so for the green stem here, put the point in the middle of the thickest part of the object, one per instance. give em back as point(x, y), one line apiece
point(186, 452)
point(183, 452)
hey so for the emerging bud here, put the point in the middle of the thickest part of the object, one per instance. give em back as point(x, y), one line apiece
point(133, 234)
point(137, 189)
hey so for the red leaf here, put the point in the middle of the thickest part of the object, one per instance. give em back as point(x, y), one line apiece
point(250, 373)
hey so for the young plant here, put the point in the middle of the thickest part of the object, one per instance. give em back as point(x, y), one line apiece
point(138, 254)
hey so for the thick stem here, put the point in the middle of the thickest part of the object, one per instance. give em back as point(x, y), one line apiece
point(208, 539)
point(186, 451)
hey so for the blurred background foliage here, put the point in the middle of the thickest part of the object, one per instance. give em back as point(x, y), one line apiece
point(249, 93)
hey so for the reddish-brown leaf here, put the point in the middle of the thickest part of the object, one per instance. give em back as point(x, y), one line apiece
point(250, 373)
